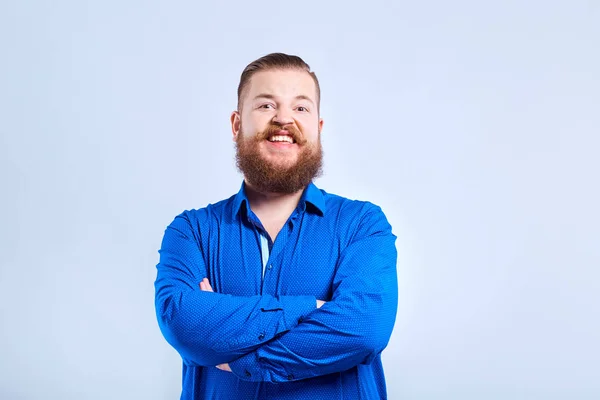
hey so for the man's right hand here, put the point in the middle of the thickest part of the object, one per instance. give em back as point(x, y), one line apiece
point(205, 285)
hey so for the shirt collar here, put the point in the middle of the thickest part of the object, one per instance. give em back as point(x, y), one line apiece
point(240, 199)
point(314, 196)
point(311, 195)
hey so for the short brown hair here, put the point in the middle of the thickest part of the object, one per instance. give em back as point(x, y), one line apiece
point(275, 61)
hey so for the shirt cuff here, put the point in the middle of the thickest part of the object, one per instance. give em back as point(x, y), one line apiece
point(296, 308)
point(254, 368)
point(247, 368)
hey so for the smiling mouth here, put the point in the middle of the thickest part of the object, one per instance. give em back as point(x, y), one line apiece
point(281, 139)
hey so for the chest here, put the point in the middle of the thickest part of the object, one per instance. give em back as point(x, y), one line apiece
point(301, 261)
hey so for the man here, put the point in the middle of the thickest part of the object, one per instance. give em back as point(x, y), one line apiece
point(282, 291)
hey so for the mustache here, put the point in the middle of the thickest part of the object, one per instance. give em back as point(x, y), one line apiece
point(274, 129)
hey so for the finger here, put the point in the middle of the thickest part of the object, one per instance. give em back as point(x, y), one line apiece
point(224, 367)
point(205, 285)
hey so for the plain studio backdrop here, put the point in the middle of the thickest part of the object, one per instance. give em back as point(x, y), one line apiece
point(475, 126)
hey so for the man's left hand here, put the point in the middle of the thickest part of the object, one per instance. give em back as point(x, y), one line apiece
point(224, 367)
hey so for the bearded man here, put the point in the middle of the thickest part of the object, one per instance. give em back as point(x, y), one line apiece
point(282, 291)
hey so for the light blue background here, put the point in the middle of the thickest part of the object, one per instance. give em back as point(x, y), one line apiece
point(473, 124)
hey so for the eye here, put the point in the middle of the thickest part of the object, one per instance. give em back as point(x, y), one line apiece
point(267, 106)
point(302, 109)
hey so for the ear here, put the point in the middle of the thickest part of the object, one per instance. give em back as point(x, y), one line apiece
point(236, 123)
point(320, 125)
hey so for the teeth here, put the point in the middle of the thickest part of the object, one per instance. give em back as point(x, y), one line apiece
point(281, 138)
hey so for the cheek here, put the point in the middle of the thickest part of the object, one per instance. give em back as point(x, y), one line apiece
point(311, 132)
point(309, 127)
point(255, 124)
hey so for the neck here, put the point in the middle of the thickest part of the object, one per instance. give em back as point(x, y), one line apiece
point(272, 204)
point(272, 209)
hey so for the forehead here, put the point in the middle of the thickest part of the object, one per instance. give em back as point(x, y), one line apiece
point(282, 83)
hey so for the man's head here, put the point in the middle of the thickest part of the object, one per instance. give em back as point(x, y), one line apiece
point(277, 126)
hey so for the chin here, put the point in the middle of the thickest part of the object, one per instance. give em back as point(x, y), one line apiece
point(283, 165)
point(285, 160)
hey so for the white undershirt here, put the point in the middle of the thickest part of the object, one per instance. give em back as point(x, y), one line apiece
point(264, 249)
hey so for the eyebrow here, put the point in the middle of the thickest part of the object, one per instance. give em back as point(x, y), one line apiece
point(270, 96)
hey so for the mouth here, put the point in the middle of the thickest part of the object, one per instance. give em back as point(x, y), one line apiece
point(281, 137)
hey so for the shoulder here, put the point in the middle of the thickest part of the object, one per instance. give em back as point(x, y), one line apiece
point(355, 216)
point(350, 208)
point(202, 218)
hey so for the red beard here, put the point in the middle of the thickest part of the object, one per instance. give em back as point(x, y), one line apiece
point(266, 177)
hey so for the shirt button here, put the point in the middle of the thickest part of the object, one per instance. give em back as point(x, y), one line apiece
point(270, 266)
point(247, 373)
point(300, 319)
point(290, 377)
point(261, 336)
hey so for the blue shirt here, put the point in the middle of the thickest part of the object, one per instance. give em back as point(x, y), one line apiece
point(267, 327)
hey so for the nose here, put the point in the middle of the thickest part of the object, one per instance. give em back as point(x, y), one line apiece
point(283, 116)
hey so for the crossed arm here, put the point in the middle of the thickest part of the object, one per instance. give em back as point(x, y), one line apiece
point(350, 329)
point(205, 286)
point(208, 329)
